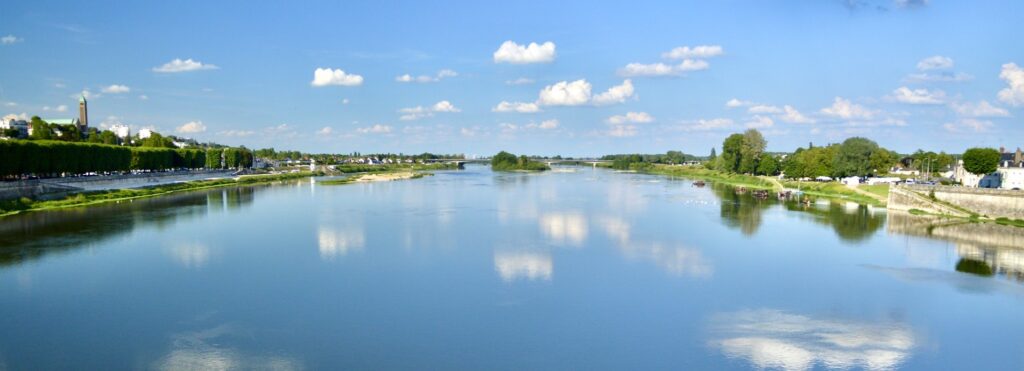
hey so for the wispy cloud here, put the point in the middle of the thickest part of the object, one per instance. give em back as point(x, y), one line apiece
point(178, 65)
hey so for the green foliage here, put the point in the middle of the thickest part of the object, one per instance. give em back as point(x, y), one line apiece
point(732, 149)
point(214, 158)
point(810, 163)
point(156, 140)
point(768, 165)
point(981, 161)
point(40, 129)
point(750, 151)
point(51, 157)
point(45, 158)
point(504, 161)
point(854, 156)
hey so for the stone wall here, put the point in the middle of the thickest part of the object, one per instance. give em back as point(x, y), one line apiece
point(906, 199)
point(993, 203)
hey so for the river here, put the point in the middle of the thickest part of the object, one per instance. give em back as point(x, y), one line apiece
point(576, 268)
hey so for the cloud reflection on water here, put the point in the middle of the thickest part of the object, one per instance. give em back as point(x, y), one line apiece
point(673, 258)
point(190, 255)
point(205, 350)
point(334, 242)
point(769, 338)
point(519, 265)
point(564, 227)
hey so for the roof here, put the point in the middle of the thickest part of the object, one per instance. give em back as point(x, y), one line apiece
point(63, 121)
point(81, 99)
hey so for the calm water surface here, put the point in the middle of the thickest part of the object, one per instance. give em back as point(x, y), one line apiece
point(572, 269)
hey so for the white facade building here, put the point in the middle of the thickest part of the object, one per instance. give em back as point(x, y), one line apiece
point(1005, 177)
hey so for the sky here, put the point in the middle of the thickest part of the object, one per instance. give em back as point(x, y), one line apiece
point(576, 78)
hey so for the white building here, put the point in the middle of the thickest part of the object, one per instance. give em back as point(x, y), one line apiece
point(145, 133)
point(13, 123)
point(1005, 177)
point(121, 131)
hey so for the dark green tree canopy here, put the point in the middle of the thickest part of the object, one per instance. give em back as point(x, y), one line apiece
point(981, 161)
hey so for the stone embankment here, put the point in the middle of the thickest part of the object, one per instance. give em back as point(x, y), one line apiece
point(958, 201)
point(54, 188)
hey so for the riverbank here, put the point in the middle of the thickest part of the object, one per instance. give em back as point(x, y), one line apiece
point(816, 189)
point(99, 197)
point(376, 177)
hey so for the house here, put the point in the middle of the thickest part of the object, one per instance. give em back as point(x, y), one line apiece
point(1009, 175)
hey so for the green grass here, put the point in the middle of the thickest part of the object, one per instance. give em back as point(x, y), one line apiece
point(879, 189)
point(97, 197)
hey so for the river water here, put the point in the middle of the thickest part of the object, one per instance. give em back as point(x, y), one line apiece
point(577, 268)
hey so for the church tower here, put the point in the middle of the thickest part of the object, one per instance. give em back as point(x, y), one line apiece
point(83, 113)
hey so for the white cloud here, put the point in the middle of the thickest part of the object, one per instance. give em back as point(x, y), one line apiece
point(510, 52)
point(631, 117)
point(917, 96)
point(520, 107)
point(706, 125)
point(520, 81)
point(843, 108)
point(60, 108)
point(10, 39)
point(144, 97)
point(565, 93)
point(191, 127)
point(981, 109)
point(327, 76)
point(236, 133)
point(760, 122)
point(418, 112)
point(11, 116)
point(87, 94)
point(548, 124)
point(662, 69)
point(325, 131)
point(445, 106)
point(469, 132)
point(344, 101)
point(10, 104)
point(1014, 76)
point(793, 116)
point(934, 69)
point(375, 129)
point(178, 65)
point(702, 51)
point(442, 74)
point(622, 131)
point(734, 103)
point(971, 124)
point(937, 62)
point(615, 94)
point(939, 77)
point(764, 108)
point(116, 89)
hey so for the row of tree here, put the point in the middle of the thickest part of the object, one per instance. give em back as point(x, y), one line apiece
point(49, 158)
point(635, 161)
point(745, 154)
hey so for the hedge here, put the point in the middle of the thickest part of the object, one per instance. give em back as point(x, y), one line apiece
point(40, 157)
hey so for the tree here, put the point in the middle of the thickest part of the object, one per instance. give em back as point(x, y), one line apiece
point(732, 147)
point(40, 129)
point(713, 155)
point(107, 137)
point(767, 165)
point(854, 157)
point(750, 151)
point(981, 161)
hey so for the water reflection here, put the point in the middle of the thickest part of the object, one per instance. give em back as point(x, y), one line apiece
point(335, 242)
point(563, 228)
point(36, 234)
point(190, 255)
point(672, 257)
point(984, 248)
point(522, 265)
point(769, 338)
point(206, 350)
point(851, 222)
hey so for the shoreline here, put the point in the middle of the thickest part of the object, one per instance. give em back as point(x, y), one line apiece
point(825, 190)
point(90, 198)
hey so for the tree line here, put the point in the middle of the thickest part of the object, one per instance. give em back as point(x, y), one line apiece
point(49, 158)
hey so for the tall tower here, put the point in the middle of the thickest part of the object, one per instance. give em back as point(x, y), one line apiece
point(83, 113)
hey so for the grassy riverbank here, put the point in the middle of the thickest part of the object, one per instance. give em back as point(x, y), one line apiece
point(97, 197)
point(816, 189)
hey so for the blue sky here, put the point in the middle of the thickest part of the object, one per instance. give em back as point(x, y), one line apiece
point(656, 76)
